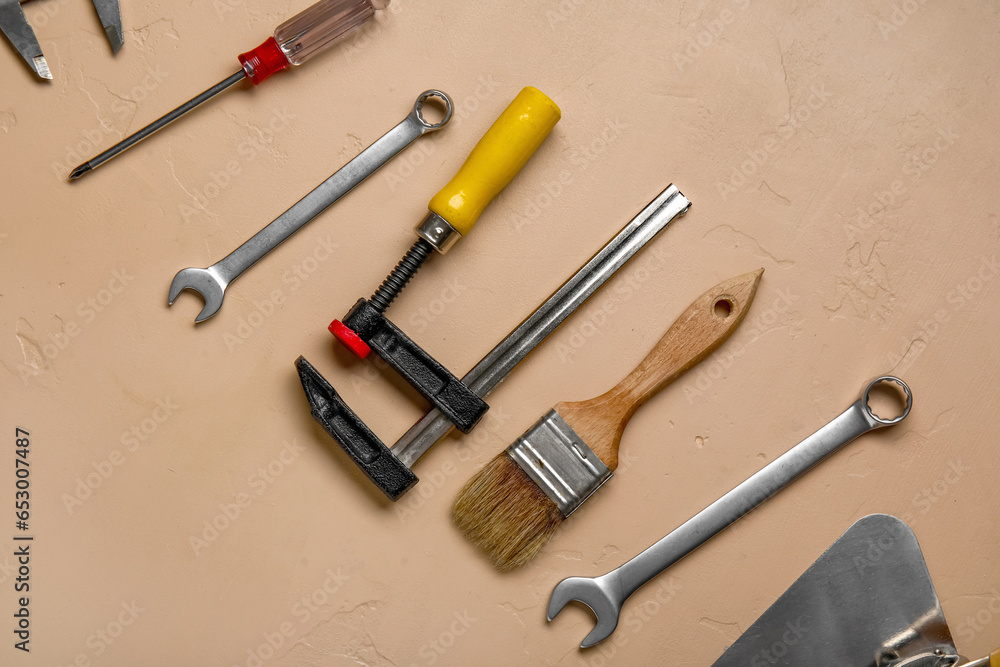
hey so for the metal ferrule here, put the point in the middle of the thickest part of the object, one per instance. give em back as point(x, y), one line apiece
point(438, 232)
point(559, 462)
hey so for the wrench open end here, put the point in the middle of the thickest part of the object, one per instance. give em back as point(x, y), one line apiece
point(205, 283)
point(590, 593)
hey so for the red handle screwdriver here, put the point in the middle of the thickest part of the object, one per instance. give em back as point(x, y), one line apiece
point(295, 41)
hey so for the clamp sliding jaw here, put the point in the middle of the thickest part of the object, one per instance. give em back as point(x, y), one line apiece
point(435, 382)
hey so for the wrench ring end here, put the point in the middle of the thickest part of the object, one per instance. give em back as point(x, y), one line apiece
point(418, 107)
point(906, 408)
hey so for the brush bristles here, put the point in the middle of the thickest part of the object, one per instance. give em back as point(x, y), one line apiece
point(504, 513)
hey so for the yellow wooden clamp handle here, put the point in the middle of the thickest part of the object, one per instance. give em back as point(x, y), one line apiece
point(496, 159)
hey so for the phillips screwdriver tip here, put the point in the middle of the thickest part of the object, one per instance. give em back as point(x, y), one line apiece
point(80, 171)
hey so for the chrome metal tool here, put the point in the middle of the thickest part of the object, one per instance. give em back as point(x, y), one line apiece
point(15, 26)
point(868, 600)
point(212, 282)
point(606, 594)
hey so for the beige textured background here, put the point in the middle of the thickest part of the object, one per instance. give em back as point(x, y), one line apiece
point(850, 150)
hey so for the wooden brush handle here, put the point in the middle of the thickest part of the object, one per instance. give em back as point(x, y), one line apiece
point(698, 332)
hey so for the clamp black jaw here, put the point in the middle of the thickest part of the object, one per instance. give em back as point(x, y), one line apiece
point(453, 398)
point(364, 447)
point(459, 404)
point(366, 328)
point(437, 384)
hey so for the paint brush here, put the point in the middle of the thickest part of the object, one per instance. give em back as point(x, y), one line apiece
point(514, 505)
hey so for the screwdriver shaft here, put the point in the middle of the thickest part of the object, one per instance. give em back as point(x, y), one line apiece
point(156, 125)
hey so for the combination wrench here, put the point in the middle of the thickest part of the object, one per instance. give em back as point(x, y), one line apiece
point(606, 594)
point(212, 282)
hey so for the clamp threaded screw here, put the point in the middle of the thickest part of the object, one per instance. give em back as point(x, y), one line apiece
point(396, 281)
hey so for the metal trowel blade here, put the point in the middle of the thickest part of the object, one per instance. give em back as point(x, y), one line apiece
point(868, 601)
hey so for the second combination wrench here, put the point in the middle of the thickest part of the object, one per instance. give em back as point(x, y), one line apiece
point(212, 282)
point(606, 594)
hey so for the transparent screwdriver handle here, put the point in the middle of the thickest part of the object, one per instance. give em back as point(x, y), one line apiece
point(312, 30)
point(306, 34)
